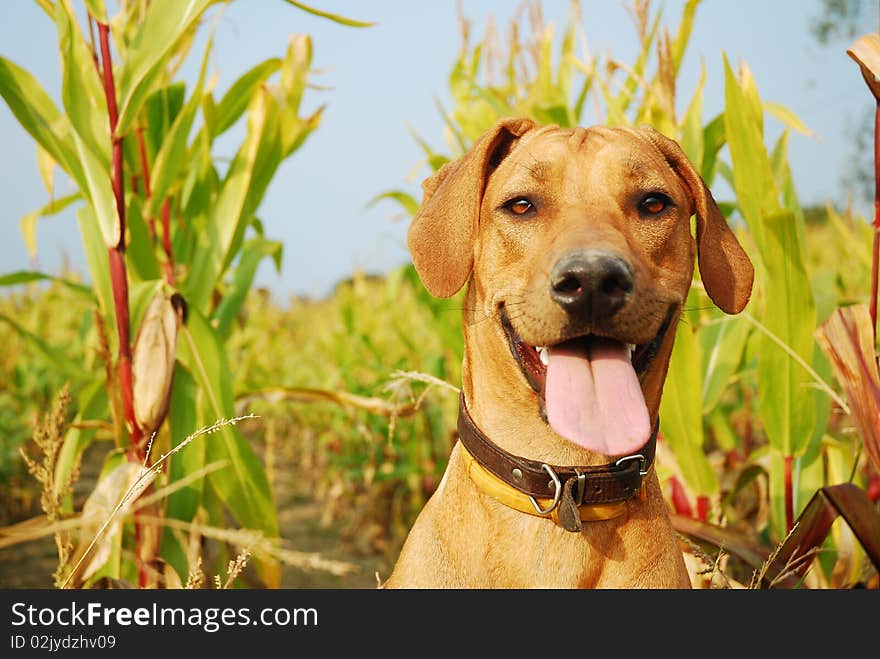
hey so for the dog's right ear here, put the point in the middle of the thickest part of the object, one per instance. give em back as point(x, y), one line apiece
point(442, 234)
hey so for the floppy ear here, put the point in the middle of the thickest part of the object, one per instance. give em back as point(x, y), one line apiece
point(442, 234)
point(725, 268)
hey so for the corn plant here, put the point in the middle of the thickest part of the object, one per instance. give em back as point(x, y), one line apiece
point(172, 241)
point(747, 407)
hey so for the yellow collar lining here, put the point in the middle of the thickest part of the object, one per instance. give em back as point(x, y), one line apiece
point(490, 484)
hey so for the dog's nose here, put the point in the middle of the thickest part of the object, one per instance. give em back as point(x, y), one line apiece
point(593, 281)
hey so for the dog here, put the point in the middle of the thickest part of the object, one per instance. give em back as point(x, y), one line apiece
point(578, 249)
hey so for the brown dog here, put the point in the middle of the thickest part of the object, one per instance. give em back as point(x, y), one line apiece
point(578, 246)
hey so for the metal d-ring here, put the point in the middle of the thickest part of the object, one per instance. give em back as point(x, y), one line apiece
point(557, 484)
point(637, 456)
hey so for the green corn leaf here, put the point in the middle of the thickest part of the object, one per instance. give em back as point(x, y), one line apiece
point(785, 183)
point(161, 109)
point(752, 98)
point(39, 116)
point(782, 171)
point(29, 222)
point(99, 191)
point(454, 130)
point(242, 486)
point(789, 314)
point(683, 36)
point(91, 403)
point(856, 244)
point(96, 10)
point(235, 100)
point(252, 254)
point(280, 126)
point(295, 130)
point(681, 419)
point(140, 253)
point(499, 106)
point(183, 503)
point(544, 76)
point(27, 276)
point(788, 117)
point(95, 250)
point(722, 430)
point(713, 140)
point(409, 203)
point(723, 344)
point(172, 154)
point(692, 133)
point(47, 6)
point(752, 174)
point(46, 164)
point(553, 114)
point(336, 18)
point(164, 23)
point(244, 185)
point(565, 70)
point(82, 92)
point(295, 70)
point(54, 357)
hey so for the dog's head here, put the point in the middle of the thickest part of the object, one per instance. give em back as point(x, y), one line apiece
point(578, 243)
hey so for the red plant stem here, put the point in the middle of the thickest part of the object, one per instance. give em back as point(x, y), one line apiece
point(119, 280)
point(875, 265)
point(118, 276)
point(166, 241)
point(703, 505)
point(789, 496)
point(679, 498)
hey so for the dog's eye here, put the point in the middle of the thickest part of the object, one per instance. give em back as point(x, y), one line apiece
point(654, 204)
point(519, 206)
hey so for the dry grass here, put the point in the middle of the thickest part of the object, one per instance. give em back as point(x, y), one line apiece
point(49, 438)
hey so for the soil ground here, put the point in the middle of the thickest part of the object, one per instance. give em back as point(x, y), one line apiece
point(31, 564)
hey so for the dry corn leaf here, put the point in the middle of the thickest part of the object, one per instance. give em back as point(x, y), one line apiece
point(866, 52)
point(847, 339)
point(731, 541)
point(790, 562)
point(102, 516)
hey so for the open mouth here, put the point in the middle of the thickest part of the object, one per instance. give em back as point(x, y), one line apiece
point(589, 387)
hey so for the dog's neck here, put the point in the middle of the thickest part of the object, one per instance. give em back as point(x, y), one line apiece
point(494, 388)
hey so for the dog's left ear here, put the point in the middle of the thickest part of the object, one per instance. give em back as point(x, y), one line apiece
point(442, 234)
point(725, 268)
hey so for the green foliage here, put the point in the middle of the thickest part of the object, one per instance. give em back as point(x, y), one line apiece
point(190, 227)
point(744, 394)
point(753, 388)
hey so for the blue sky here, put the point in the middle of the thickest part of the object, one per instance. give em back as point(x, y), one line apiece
point(385, 78)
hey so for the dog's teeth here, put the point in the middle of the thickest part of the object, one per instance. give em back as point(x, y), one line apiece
point(630, 348)
point(542, 354)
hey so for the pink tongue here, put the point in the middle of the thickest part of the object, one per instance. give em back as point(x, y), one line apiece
point(594, 399)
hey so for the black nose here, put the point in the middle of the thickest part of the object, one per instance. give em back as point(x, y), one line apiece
point(593, 281)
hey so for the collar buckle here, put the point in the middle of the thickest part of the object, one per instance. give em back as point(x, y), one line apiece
point(643, 469)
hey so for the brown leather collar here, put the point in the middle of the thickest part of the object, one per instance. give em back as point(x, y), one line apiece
point(569, 488)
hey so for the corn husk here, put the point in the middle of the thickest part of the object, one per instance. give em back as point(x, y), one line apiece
point(153, 359)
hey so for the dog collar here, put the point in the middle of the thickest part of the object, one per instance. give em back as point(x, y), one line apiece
point(567, 495)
